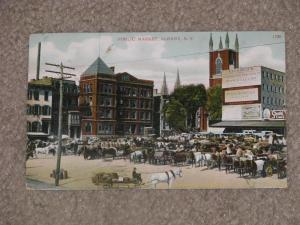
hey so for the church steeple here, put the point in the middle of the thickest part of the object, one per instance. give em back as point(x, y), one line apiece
point(236, 44)
point(227, 41)
point(164, 87)
point(211, 44)
point(220, 43)
point(177, 82)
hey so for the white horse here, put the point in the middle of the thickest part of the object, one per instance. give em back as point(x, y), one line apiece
point(165, 177)
point(135, 155)
point(199, 158)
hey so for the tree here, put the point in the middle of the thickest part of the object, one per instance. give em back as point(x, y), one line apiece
point(175, 115)
point(191, 97)
point(214, 103)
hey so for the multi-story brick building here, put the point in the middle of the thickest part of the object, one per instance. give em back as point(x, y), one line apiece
point(114, 104)
point(70, 103)
point(253, 98)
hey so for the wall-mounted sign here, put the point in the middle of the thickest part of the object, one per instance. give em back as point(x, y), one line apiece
point(251, 112)
point(241, 95)
point(274, 114)
point(240, 77)
point(241, 112)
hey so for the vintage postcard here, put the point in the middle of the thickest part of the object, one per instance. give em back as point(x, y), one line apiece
point(185, 110)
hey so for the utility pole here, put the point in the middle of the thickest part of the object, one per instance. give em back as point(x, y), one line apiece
point(62, 77)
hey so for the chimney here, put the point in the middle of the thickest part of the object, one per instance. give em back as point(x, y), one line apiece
point(112, 68)
point(38, 62)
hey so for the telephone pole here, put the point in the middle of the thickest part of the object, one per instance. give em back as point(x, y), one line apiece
point(62, 77)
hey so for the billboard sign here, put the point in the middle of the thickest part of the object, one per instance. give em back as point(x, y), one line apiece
point(241, 77)
point(241, 112)
point(241, 95)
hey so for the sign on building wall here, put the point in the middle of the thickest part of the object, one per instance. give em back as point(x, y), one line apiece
point(241, 112)
point(241, 95)
point(251, 112)
point(247, 76)
point(274, 114)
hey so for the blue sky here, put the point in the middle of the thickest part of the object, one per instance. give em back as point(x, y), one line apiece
point(159, 53)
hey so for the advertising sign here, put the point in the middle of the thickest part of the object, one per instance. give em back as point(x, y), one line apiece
point(241, 112)
point(274, 114)
point(241, 95)
point(241, 77)
point(251, 112)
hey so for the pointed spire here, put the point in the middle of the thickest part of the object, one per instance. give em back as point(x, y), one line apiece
point(177, 82)
point(220, 43)
point(236, 44)
point(164, 87)
point(211, 44)
point(227, 41)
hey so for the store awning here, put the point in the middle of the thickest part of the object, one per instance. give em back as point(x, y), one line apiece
point(252, 123)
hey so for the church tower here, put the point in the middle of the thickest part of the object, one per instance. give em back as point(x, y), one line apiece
point(222, 59)
point(164, 87)
point(177, 82)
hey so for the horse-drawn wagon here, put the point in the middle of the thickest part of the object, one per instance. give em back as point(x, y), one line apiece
point(113, 180)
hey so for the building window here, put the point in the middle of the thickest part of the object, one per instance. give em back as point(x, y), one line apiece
point(35, 126)
point(263, 99)
point(148, 116)
point(106, 88)
point(36, 110)
point(29, 95)
point(142, 115)
point(46, 95)
point(88, 127)
point(105, 128)
point(268, 100)
point(134, 92)
point(133, 103)
point(36, 95)
point(218, 65)
point(28, 126)
point(133, 115)
point(46, 110)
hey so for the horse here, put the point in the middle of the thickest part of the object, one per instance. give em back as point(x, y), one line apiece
point(111, 151)
point(165, 177)
point(90, 152)
point(199, 158)
point(136, 156)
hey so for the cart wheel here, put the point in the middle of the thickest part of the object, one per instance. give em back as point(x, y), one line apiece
point(269, 170)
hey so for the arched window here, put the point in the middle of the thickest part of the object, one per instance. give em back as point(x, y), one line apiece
point(218, 65)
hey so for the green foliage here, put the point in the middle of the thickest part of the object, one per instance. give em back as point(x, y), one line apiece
point(191, 97)
point(175, 114)
point(214, 102)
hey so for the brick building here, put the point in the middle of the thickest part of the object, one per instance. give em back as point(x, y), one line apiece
point(220, 59)
point(114, 104)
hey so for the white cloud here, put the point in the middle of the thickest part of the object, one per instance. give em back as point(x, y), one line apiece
point(141, 59)
point(261, 56)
